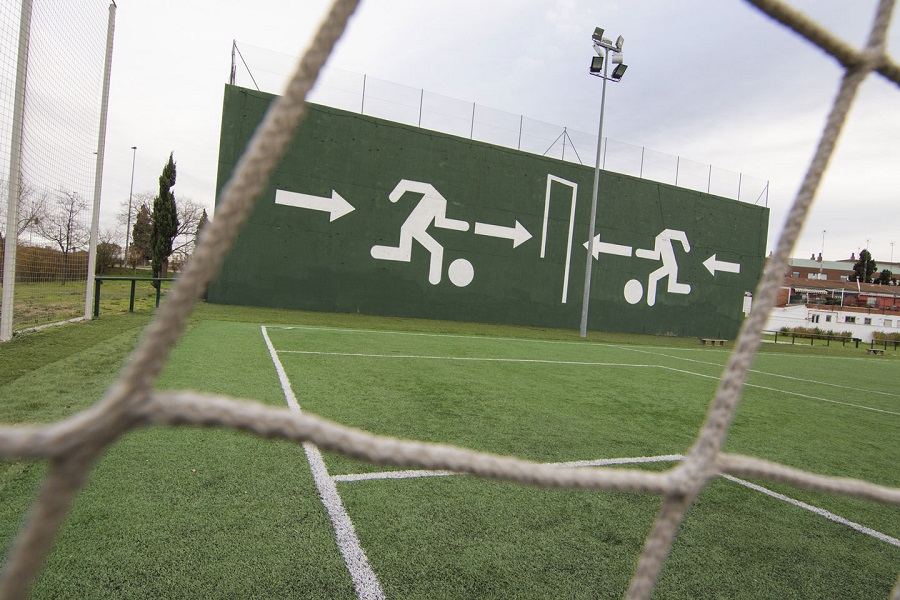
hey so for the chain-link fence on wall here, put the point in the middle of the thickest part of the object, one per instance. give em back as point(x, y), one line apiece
point(52, 57)
point(257, 68)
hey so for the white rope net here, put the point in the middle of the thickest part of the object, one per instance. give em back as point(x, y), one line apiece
point(75, 444)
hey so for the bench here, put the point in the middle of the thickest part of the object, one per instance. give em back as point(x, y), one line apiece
point(712, 342)
point(877, 351)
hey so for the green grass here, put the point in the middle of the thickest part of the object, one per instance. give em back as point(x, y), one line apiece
point(41, 303)
point(185, 512)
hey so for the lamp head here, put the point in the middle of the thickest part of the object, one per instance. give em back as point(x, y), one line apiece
point(618, 72)
point(619, 41)
point(598, 34)
point(597, 65)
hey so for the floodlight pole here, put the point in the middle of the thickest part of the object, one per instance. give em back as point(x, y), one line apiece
point(601, 45)
point(130, 192)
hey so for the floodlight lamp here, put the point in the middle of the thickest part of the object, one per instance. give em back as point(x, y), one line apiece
point(598, 49)
point(618, 72)
point(597, 65)
point(617, 58)
point(619, 41)
point(598, 34)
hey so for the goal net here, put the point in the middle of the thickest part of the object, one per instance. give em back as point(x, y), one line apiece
point(52, 57)
point(74, 445)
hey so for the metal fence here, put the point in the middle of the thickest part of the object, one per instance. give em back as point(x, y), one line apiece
point(261, 69)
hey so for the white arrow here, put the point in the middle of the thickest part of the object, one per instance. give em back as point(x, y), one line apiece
point(517, 234)
point(336, 205)
point(712, 265)
point(607, 248)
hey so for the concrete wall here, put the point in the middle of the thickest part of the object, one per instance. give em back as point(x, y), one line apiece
point(365, 215)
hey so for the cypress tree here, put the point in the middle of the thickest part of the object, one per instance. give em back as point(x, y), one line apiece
point(165, 221)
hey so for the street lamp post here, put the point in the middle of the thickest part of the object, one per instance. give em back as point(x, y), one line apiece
point(130, 192)
point(599, 68)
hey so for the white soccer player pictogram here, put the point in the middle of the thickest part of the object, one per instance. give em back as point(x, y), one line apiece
point(663, 250)
point(432, 208)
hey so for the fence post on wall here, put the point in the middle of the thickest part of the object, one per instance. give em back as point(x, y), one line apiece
point(564, 136)
point(641, 172)
point(98, 170)
point(15, 160)
point(709, 180)
point(421, 102)
point(472, 128)
point(519, 145)
point(362, 104)
point(740, 179)
point(677, 167)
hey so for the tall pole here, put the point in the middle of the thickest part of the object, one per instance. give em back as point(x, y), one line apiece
point(822, 254)
point(15, 166)
point(591, 227)
point(130, 192)
point(98, 169)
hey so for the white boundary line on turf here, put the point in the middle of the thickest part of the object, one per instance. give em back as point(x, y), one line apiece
point(641, 459)
point(758, 372)
point(558, 342)
point(776, 390)
point(466, 358)
point(580, 363)
point(814, 509)
point(602, 462)
point(364, 579)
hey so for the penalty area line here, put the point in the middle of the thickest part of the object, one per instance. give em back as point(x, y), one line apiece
point(816, 510)
point(364, 579)
point(418, 474)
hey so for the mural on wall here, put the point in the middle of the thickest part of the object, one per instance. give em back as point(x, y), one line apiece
point(369, 216)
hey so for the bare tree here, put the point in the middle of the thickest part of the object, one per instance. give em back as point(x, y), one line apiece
point(31, 209)
point(189, 216)
point(63, 227)
point(109, 252)
point(138, 200)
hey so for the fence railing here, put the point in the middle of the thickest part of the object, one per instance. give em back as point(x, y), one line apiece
point(261, 69)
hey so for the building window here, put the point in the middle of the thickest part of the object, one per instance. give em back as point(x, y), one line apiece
point(828, 318)
point(795, 274)
point(888, 323)
point(849, 319)
point(867, 321)
point(814, 318)
point(845, 278)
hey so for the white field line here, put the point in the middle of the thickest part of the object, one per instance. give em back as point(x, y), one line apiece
point(602, 462)
point(552, 342)
point(465, 358)
point(579, 363)
point(364, 579)
point(758, 372)
point(771, 389)
point(640, 459)
point(819, 511)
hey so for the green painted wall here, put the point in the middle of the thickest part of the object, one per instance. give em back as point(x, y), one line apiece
point(295, 256)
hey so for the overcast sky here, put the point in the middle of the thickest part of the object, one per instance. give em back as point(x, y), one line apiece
point(710, 80)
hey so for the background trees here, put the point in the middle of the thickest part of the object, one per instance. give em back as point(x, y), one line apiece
point(64, 227)
point(864, 267)
point(139, 252)
point(164, 221)
point(31, 208)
